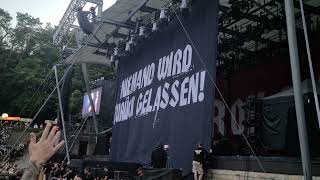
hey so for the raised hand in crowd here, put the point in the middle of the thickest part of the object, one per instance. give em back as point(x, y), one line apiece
point(40, 152)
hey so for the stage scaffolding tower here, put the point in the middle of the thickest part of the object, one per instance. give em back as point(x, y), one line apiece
point(65, 26)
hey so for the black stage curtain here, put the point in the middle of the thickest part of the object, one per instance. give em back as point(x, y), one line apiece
point(164, 94)
point(280, 131)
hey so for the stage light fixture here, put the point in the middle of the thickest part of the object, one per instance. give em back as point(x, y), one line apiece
point(132, 39)
point(155, 27)
point(121, 45)
point(128, 47)
point(112, 58)
point(163, 13)
point(154, 22)
point(115, 51)
point(142, 30)
point(138, 24)
point(184, 5)
point(116, 64)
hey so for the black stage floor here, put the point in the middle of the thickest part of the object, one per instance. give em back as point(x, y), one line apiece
point(277, 165)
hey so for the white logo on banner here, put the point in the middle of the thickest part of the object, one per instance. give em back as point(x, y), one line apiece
point(239, 113)
point(237, 110)
point(180, 92)
point(219, 115)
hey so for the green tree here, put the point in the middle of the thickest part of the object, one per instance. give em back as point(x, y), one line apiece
point(25, 34)
point(5, 25)
point(27, 57)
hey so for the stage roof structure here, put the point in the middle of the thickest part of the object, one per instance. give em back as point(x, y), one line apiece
point(247, 29)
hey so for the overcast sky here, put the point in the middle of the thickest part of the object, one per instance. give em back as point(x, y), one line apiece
point(47, 10)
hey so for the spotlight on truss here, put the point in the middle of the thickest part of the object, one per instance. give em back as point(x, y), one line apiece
point(154, 22)
point(132, 39)
point(116, 64)
point(116, 51)
point(184, 6)
point(155, 27)
point(142, 31)
point(163, 18)
point(128, 47)
point(112, 58)
point(164, 14)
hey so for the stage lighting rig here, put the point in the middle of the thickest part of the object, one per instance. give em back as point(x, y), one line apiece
point(239, 7)
point(154, 22)
point(116, 51)
point(166, 15)
point(109, 52)
point(128, 47)
point(163, 15)
point(133, 38)
point(155, 26)
point(142, 31)
point(138, 24)
point(184, 6)
point(121, 48)
point(112, 58)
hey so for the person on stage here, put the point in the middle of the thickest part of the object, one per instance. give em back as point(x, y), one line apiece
point(159, 157)
point(199, 157)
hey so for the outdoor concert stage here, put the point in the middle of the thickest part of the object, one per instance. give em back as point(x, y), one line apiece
point(275, 165)
point(234, 165)
point(205, 72)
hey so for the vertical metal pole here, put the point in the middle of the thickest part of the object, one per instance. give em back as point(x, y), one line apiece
point(77, 135)
point(86, 81)
point(79, 37)
point(61, 114)
point(99, 14)
point(295, 69)
point(314, 86)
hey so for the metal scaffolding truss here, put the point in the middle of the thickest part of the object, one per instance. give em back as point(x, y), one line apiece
point(251, 28)
point(247, 28)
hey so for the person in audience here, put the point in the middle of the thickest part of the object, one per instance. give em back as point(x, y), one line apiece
point(107, 174)
point(58, 171)
point(12, 170)
point(199, 157)
point(41, 151)
point(88, 174)
point(68, 175)
point(78, 177)
point(47, 168)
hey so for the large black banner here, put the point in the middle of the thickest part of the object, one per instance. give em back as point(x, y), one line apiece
point(165, 95)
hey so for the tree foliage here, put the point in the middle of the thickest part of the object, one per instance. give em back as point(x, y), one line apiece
point(5, 24)
point(27, 57)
